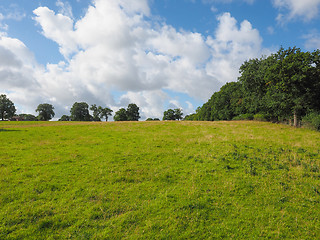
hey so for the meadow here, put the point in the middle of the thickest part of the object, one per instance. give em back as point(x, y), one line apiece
point(159, 180)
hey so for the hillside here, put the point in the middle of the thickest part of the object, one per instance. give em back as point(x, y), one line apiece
point(158, 180)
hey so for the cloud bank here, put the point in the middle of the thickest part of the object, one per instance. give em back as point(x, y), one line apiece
point(117, 53)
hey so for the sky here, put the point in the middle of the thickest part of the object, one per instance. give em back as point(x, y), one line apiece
point(159, 54)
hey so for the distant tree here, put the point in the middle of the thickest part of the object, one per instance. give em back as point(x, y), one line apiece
point(65, 118)
point(80, 112)
point(45, 112)
point(178, 113)
point(96, 112)
point(28, 117)
point(7, 108)
point(152, 119)
point(121, 115)
point(169, 115)
point(105, 112)
point(133, 112)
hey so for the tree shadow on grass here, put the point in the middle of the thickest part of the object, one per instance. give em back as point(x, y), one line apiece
point(9, 130)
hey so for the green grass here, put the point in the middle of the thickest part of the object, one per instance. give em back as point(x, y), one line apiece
point(158, 180)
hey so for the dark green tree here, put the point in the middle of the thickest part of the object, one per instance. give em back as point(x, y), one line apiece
point(96, 112)
point(7, 108)
point(169, 115)
point(80, 112)
point(45, 112)
point(28, 117)
point(293, 83)
point(133, 112)
point(105, 112)
point(65, 118)
point(121, 115)
point(178, 113)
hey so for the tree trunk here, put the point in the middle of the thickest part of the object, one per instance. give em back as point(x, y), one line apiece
point(295, 119)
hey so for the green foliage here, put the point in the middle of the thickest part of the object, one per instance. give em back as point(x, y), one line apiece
point(246, 116)
point(7, 108)
point(121, 115)
point(223, 105)
point(80, 112)
point(312, 121)
point(65, 118)
point(172, 114)
point(131, 114)
point(28, 117)
point(96, 112)
point(45, 112)
point(152, 119)
point(159, 180)
point(105, 112)
point(284, 85)
point(261, 117)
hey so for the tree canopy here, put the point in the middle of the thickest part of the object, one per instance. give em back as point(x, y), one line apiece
point(80, 112)
point(121, 115)
point(172, 114)
point(284, 85)
point(7, 108)
point(45, 112)
point(129, 114)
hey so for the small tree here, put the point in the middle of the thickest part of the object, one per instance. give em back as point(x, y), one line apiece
point(65, 118)
point(45, 112)
point(7, 108)
point(105, 112)
point(96, 112)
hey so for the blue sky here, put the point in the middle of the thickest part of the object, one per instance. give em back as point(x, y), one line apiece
point(159, 53)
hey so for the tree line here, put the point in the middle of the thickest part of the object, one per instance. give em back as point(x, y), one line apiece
point(80, 112)
point(283, 87)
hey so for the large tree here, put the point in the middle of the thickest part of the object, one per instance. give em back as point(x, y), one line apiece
point(45, 112)
point(121, 115)
point(80, 112)
point(133, 112)
point(293, 83)
point(7, 108)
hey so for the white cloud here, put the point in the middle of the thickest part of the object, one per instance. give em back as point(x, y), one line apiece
point(305, 10)
point(231, 46)
point(312, 40)
point(114, 50)
point(65, 8)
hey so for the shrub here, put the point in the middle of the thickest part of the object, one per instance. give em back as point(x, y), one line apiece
point(247, 116)
point(312, 121)
point(261, 117)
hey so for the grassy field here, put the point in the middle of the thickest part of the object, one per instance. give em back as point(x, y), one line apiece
point(158, 180)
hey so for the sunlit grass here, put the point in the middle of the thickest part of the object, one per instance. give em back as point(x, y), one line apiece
point(172, 180)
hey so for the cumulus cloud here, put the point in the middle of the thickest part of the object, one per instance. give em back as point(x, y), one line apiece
point(19, 72)
point(115, 55)
point(230, 47)
point(312, 40)
point(291, 9)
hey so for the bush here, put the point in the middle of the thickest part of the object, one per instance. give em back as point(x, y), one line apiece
point(312, 121)
point(247, 116)
point(261, 117)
